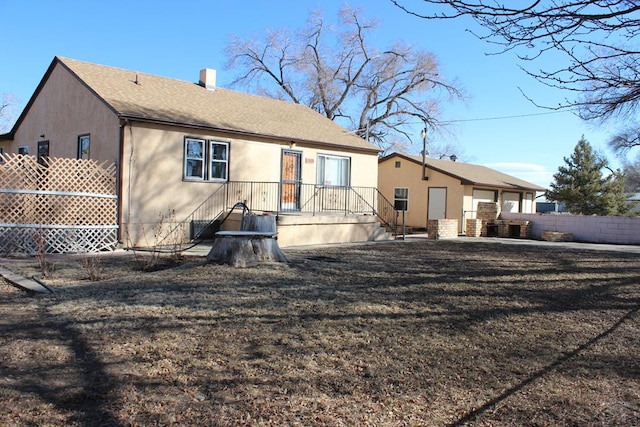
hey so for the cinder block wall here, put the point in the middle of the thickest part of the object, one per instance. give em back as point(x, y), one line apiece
point(594, 229)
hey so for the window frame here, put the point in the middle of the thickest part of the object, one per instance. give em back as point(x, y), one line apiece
point(81, 138)
point(187, 156)
point(321, 176)
point(41, 147)
point(212, 160)
point(206, 158)
point(397, 199)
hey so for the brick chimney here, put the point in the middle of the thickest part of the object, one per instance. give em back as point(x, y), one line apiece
point(208, 78)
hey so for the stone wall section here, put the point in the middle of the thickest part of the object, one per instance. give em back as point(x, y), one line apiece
point(473, 228)
point(442, 229)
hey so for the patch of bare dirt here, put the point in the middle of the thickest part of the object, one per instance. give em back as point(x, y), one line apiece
point(387, 334)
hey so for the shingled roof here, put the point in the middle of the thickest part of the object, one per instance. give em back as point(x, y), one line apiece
point(140, 96)
point(469, 174)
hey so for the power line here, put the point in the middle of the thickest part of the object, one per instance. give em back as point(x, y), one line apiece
point(501, 117)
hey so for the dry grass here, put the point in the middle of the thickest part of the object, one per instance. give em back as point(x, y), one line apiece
point(400, 333)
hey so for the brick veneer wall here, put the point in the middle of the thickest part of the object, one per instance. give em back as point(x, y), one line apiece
point(442, 228)
point(486, 212)
point(473, 227)
point(556, 236)
point(514, 228)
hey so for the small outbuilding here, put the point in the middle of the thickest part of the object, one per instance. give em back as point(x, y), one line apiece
point(439, 189)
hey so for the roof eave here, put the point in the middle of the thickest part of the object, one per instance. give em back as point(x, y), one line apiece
point(56, 60)
point(274, 138)
point(463, 181)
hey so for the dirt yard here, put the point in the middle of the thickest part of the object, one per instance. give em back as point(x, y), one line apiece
point(415, 333)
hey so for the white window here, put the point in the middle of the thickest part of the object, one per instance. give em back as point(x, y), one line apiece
point(206, 160)
point(219, 154)
point(401, 198)
point(333, 170)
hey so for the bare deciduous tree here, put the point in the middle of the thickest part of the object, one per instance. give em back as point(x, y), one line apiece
point(336, 71)
point(626, 139)
point(597, 38)
point(631, 172)
point(7, 111)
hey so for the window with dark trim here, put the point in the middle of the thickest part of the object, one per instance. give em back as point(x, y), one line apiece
point(84, 144)
point(205, 160)
point(43, 151)
point(401, 198)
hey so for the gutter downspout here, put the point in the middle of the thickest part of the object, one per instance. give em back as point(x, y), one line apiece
point(123, 124)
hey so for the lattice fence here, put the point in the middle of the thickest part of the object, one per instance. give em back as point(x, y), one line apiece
point(60, 206)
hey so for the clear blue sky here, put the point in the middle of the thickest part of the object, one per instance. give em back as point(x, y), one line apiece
point(177, 39)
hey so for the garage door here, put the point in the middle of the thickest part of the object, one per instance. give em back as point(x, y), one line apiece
point(510, 202)
point(482, 196)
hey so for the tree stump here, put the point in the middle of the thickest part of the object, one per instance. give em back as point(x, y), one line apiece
point(255, 243)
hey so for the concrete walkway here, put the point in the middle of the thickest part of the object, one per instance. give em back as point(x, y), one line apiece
point(24, 283)
point(635, 249)
point(203, 248)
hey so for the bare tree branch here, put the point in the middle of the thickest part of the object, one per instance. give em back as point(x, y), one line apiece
point(337, 72)
point(596, 37)
point(8, 112)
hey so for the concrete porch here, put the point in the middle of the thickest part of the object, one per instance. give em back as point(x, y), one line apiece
point(301, 229)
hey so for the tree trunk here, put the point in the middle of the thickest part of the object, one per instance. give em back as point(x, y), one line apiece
point(244, 248)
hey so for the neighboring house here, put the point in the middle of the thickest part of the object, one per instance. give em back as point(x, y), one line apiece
point(635, 199)
point(446, 189)
point(192, 151)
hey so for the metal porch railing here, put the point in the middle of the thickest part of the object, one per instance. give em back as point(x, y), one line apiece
point(279, 198)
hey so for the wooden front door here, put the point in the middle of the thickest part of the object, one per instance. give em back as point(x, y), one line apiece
point(291, 180)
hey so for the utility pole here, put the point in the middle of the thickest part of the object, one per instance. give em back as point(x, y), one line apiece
point(424, 152)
